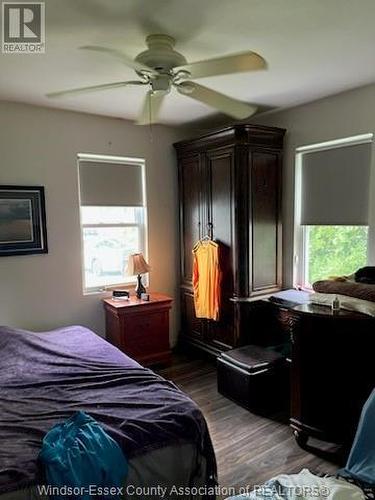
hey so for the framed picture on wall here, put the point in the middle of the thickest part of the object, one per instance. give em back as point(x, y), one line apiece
point(22, 220)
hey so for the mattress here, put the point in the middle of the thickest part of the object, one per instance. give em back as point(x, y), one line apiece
point(46, 377)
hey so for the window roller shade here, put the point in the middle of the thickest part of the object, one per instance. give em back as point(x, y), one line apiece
point(335, 186)
point(110, 184)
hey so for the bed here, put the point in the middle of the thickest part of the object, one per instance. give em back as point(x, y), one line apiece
point(46, 377)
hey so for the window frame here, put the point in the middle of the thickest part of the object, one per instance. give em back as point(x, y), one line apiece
point(300, 244)
point(142, 224)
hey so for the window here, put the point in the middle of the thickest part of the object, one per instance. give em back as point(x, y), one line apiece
point(333, 251)
point(331, 209)
point(113, 219)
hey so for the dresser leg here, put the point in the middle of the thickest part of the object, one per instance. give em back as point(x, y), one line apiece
point(301, 438)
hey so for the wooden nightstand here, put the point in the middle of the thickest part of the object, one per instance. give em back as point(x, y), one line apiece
point(139, 328)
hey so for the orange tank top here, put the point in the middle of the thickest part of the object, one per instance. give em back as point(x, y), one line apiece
point(206, 280)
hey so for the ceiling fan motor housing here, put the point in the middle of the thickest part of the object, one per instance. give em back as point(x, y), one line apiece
point(160, 54)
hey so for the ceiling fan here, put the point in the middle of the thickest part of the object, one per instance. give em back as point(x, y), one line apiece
point(160, 68)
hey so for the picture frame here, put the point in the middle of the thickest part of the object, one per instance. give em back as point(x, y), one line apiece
point(23, 228)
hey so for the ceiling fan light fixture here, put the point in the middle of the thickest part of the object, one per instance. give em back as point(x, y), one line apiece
point(161, 83)
point(160, 92)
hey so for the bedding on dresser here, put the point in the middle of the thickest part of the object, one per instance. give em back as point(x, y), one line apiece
point(347, 287)
point(46, 377)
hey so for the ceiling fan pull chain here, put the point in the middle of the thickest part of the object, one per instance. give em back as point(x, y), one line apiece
point(150, 116)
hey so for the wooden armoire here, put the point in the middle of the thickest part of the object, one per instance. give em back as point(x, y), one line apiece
point(230, 190)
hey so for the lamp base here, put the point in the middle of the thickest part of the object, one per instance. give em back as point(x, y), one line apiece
point(139, 289)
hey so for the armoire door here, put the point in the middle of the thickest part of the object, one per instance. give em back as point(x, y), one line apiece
point(190, 179)
point(192, 200)
point(191, 326)
point(220, 222)
point(265, 222)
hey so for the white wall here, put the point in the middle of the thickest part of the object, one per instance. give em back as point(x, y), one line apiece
point(343, 115)
point(38, 146)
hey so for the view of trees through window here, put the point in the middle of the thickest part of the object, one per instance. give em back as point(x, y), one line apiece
point(334, 251)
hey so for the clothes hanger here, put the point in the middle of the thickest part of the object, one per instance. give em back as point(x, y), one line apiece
point(207, 238)
point(203, 241)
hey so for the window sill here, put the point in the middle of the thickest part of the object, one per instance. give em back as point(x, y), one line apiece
point(108, 290)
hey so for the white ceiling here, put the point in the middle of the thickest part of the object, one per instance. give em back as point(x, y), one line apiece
point(313, 47)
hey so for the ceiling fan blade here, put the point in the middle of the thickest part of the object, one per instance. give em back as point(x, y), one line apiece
point(128, 61)
point(151, 108)
point(93, 88)
point(227, 105)
point(235, 63)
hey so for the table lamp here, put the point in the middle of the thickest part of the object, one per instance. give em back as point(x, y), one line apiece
point(136, 267)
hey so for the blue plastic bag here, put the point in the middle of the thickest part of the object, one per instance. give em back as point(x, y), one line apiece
point(79, 456)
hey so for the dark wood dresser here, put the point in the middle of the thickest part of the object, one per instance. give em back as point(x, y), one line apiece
point(230, 190)
point(332, 370)
point(140, 328)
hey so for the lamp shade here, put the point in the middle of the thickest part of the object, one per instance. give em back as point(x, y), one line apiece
point(137, 265)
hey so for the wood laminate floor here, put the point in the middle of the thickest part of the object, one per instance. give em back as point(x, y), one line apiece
point(249, 448)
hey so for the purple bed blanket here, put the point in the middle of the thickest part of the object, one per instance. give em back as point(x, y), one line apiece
point(46, 377)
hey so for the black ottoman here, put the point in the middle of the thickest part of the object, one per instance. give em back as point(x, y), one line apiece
point(254, 377)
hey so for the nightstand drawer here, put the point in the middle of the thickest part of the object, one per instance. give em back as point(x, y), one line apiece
point(147, 331)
